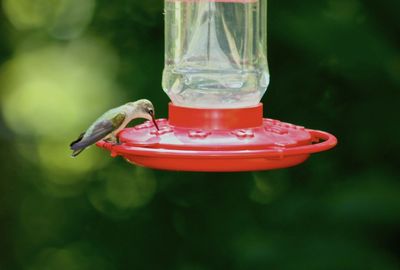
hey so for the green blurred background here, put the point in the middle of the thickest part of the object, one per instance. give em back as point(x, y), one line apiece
point(335, 66)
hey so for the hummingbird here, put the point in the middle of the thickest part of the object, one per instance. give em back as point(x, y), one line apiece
point(107, 126)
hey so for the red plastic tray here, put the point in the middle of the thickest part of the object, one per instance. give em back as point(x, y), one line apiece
point(224, 140)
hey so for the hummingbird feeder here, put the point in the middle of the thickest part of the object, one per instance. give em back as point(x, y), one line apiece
point(216, 72)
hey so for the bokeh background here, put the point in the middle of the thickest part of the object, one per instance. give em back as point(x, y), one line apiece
point(335, 66)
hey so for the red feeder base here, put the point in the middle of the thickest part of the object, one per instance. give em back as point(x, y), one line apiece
point(218, 140)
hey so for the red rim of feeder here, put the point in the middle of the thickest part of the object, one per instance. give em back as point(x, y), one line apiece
point(219, 140)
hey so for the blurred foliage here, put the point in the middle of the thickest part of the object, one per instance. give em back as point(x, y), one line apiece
point(335, 66)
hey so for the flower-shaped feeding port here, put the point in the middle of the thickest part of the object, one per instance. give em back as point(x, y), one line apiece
point(216, 73)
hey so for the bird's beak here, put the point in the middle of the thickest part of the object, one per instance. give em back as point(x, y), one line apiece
point(154, 120)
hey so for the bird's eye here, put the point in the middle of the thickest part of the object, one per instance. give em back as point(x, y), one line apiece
point(151, 111)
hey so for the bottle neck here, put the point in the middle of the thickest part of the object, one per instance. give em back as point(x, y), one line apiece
point(215, 119)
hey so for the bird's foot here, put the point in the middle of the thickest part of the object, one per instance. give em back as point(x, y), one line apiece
point(114, 140)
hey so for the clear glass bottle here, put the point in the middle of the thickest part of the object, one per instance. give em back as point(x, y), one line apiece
point(215, 52)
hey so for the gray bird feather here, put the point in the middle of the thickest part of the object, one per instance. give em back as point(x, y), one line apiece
point(99, 130)
point(111, 122)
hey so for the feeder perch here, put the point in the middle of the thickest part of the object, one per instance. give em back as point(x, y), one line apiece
point(216, 73)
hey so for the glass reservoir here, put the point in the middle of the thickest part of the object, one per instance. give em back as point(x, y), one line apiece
point(215, 52)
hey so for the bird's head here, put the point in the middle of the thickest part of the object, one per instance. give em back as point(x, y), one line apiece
point(143, 108)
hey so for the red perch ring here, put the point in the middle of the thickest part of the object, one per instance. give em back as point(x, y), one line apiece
point(218, 140)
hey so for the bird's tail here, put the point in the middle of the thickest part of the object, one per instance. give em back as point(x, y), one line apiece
point(75, 153)
point(75, 147)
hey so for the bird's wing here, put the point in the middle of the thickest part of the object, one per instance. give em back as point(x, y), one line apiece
point(100, 130)
point(77, 140)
